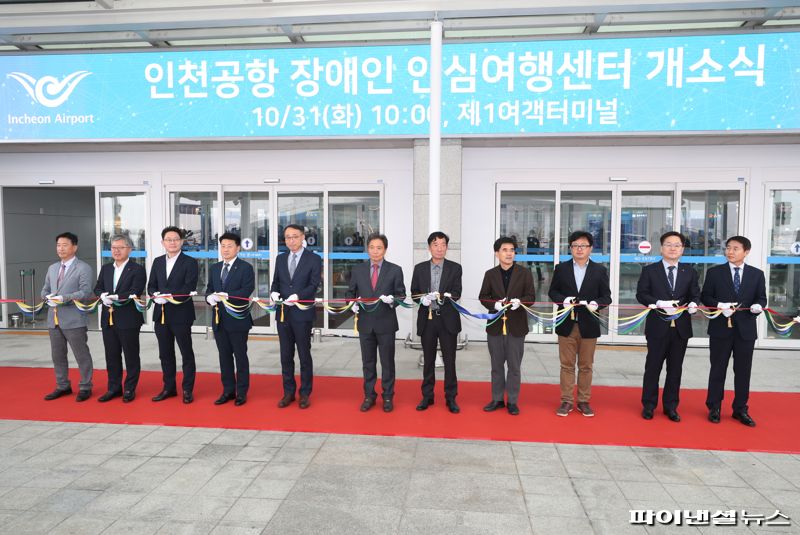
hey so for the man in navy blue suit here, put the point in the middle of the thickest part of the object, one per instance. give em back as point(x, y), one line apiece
point(740, 292)
point(666, 285)
point(298, 273)
point(231, 278)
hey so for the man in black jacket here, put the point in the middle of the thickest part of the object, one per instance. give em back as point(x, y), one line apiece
point(583, 284)
point(665, 286)
point(433, 283)
point(120, 282)
point(739, 290)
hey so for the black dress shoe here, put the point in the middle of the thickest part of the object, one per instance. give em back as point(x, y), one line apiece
point(367, 404)
point(285, 401)
point(743, 417)
point(240, 400)
point(164, 394)
point(224, 398)
point(647, 413)
point(673, 415)
point(187, 397)
point(513, 409)
point(55, 394)
point(424, 404)
point(388, 406)
point(108, 396)
point(452, 406)
point(494, 405)
point(304, 402)
point(83, 395)
point(128, 396)
point(713, 416)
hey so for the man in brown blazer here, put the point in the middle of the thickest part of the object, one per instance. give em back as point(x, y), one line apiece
point(507, 283)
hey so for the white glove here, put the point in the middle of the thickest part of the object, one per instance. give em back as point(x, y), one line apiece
point(388, 299)
point(498, 306)
point(796, 319)
point(435, 296)
point(755, 308)
point(114, 297)
point(275, 296)
point(652, 307)
point(212, 300)
point(191, 294)
point(667, 306)
point(448, 294)
point(356, 306)
point(593, 306)
point(692, 308)
point(727, 309)
point(318, 300)
point(54, 300)
point(426, 300)
point(515, 303)
point(569, 301)
point(107, 301)
point(292, 298)
point(221, 295)
point(158, 299)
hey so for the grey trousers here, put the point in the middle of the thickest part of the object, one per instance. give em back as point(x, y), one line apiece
point(76, 338)
point(506, 350)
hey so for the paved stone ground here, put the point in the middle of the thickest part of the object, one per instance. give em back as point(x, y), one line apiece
point(84, 478)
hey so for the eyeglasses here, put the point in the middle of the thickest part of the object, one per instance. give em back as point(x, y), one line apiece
point(673, 245)
point(120, 248)
point(293, 237)
point(172, 240)
point(580, 246)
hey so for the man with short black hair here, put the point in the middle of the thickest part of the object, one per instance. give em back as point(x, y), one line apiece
point(738, 290)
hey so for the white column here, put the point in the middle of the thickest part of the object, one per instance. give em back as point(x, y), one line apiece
point(435, 135)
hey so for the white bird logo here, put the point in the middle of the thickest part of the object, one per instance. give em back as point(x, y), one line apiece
point(47, 90)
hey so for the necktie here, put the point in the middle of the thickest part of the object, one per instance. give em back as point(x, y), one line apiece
point(292, 265)
point(374, 275)
point(737, 280)
point(435, 280)
point(225, 270)
point(61, 272)
point(671, 279)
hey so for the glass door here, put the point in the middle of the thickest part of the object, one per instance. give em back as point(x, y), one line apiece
point(783, 258)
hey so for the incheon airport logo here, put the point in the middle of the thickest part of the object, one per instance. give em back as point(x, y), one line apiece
point(48, 90)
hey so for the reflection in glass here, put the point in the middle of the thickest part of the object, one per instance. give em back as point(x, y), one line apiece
point(123, 214)
point(783, 286)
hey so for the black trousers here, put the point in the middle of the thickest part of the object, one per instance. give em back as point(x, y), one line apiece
point(296, 334)
point(435, 332)
point(672, 348)
point(721, 350)
point(371, 343)
point(232, 347)
point(116, 342)
point(167, 335)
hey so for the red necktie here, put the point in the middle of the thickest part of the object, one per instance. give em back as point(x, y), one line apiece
point(374, 275)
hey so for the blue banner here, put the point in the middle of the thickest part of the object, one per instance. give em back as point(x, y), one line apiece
point(719, 83)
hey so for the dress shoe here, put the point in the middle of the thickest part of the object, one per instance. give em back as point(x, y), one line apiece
point(240, 400)
point(452, 406)
point(108, 396)
point(494, 405)
point(128, 396)
point(57, 393)
point(743, 417)
point(83, 395)
point(388, 405)
point(304, 402)
point(673, 415)
point(585, 409)
point(286, 401)
point(187, 397)
point(367, 404)
point(513, 409)
point(164, 394)
point(647, 413)
point(224, 398)
point(424, 404)
point(564, 409)
point(713, 416)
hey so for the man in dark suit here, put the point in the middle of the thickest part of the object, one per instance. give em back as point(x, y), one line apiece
point(232, 277)
point(738, 290)
point(298, 274)
point(584, 284)
point(174, 274)
point(666, 285)
point(382, 281)
point(438, 321)
point(117, 285)
point(503, 284)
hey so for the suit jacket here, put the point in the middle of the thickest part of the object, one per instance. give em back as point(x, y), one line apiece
point(77, 285)
point(390, 282)
point(718, 288)
point(450, 282)
point(132, 281)
point(240, 282)
point(654, 286)
point(182, 280)
point(305, 283)
point(520, 287)
point(594, 288)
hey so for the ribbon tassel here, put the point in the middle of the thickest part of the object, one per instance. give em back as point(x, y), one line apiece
point(162, 313)
point(430, 313)
point(55, 316)
point(355, 323)
point(282, 316)
point(111, 315)
point(216, 314)
point(505, 332)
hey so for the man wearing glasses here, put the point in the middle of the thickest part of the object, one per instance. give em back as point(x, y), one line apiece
point(664, 286)
point(582, 284)
point(120, 282)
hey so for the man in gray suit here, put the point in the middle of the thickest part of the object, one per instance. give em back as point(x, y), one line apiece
point(68, 280)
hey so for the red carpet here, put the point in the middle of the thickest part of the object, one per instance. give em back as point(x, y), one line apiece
point(336, 400)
